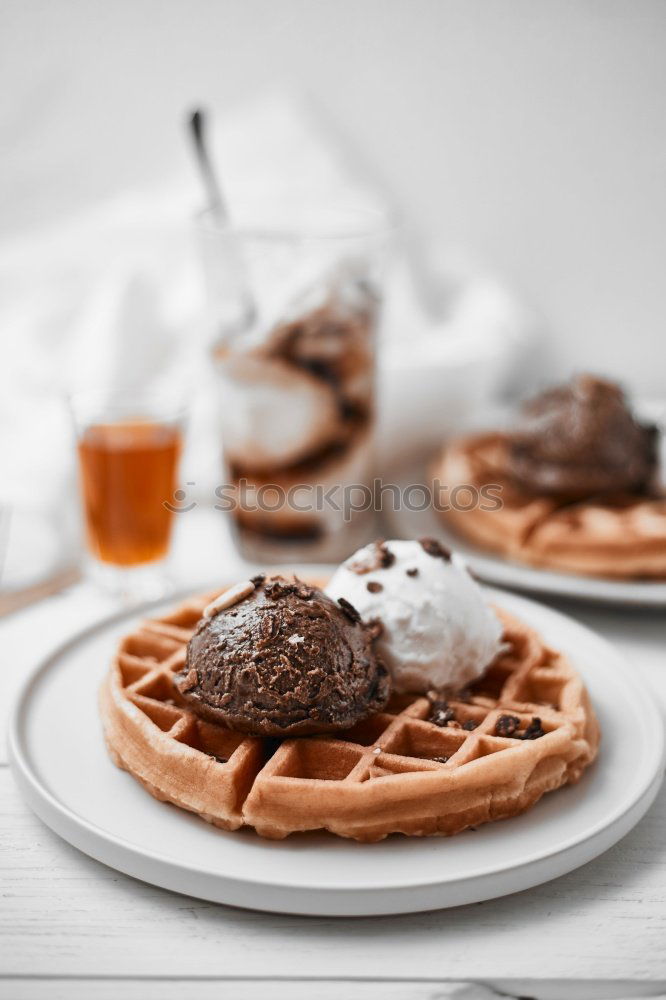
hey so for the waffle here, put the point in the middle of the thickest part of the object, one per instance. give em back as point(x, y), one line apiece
point(624, 539)
point(396, 772)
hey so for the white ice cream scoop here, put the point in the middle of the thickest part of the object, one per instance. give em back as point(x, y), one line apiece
point(274, 414)
point(438, 631)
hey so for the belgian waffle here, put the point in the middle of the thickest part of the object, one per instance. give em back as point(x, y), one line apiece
point(624, 539)
point(421, 767)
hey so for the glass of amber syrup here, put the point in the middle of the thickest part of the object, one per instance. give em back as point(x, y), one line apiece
point(128, 446)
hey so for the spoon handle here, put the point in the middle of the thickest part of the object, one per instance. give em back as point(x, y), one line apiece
point(215, 198)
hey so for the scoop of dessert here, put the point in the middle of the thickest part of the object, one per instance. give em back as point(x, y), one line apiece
point(581, 440)
point(334, 344)
point(307, 387)
point(437, 630)
point(275, 413)
point(277, 657)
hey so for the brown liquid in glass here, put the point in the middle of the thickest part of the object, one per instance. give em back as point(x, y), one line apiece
point(128, 470)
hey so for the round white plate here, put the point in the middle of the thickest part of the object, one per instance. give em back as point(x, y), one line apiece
point(61, 765)
point(504, 573)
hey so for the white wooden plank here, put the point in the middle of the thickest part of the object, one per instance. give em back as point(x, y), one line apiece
point(237, 990)
point(64, 914)
point(341, 989)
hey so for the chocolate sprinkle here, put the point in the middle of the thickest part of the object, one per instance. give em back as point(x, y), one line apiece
point(270, 626)
point(413, 571)
point(349, 610)
point(470, 725)
point(374, 586)
point(533, 731)
point(278, 588)
point(440, 760)
point(386, 556)
point(435, 549)
point(374, 556)
point(442, 714)
point(506, 725)
point(258, 579)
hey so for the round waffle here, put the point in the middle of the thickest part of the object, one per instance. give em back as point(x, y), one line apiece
point(624, 539)
point(417, 768)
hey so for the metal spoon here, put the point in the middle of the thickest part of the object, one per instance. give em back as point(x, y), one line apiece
point(246, 315)
point(215, 198)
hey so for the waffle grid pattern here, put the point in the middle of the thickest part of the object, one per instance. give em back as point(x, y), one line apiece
point(397, 771)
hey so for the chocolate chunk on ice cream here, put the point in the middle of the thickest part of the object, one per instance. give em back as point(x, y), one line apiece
point(581, 440)
point(285, 660)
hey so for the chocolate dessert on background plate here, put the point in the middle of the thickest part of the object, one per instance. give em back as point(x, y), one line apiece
point(581, 440)
point(576, 482)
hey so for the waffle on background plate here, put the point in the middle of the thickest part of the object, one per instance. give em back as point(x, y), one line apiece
point(419, 768)
point(622, 539)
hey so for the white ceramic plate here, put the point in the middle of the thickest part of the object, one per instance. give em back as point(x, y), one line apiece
point(61, 765)
point(504, 573)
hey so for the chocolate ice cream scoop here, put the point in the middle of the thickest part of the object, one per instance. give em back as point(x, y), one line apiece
point(280, 658)
point(581, 440)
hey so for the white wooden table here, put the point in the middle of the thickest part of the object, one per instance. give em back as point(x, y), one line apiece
point(71, 928)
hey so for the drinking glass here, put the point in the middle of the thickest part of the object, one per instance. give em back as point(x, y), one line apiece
point(128, 446)
point(294, 294)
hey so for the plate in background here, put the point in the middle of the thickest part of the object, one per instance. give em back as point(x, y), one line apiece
point(505, 573)
point(61, 765)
